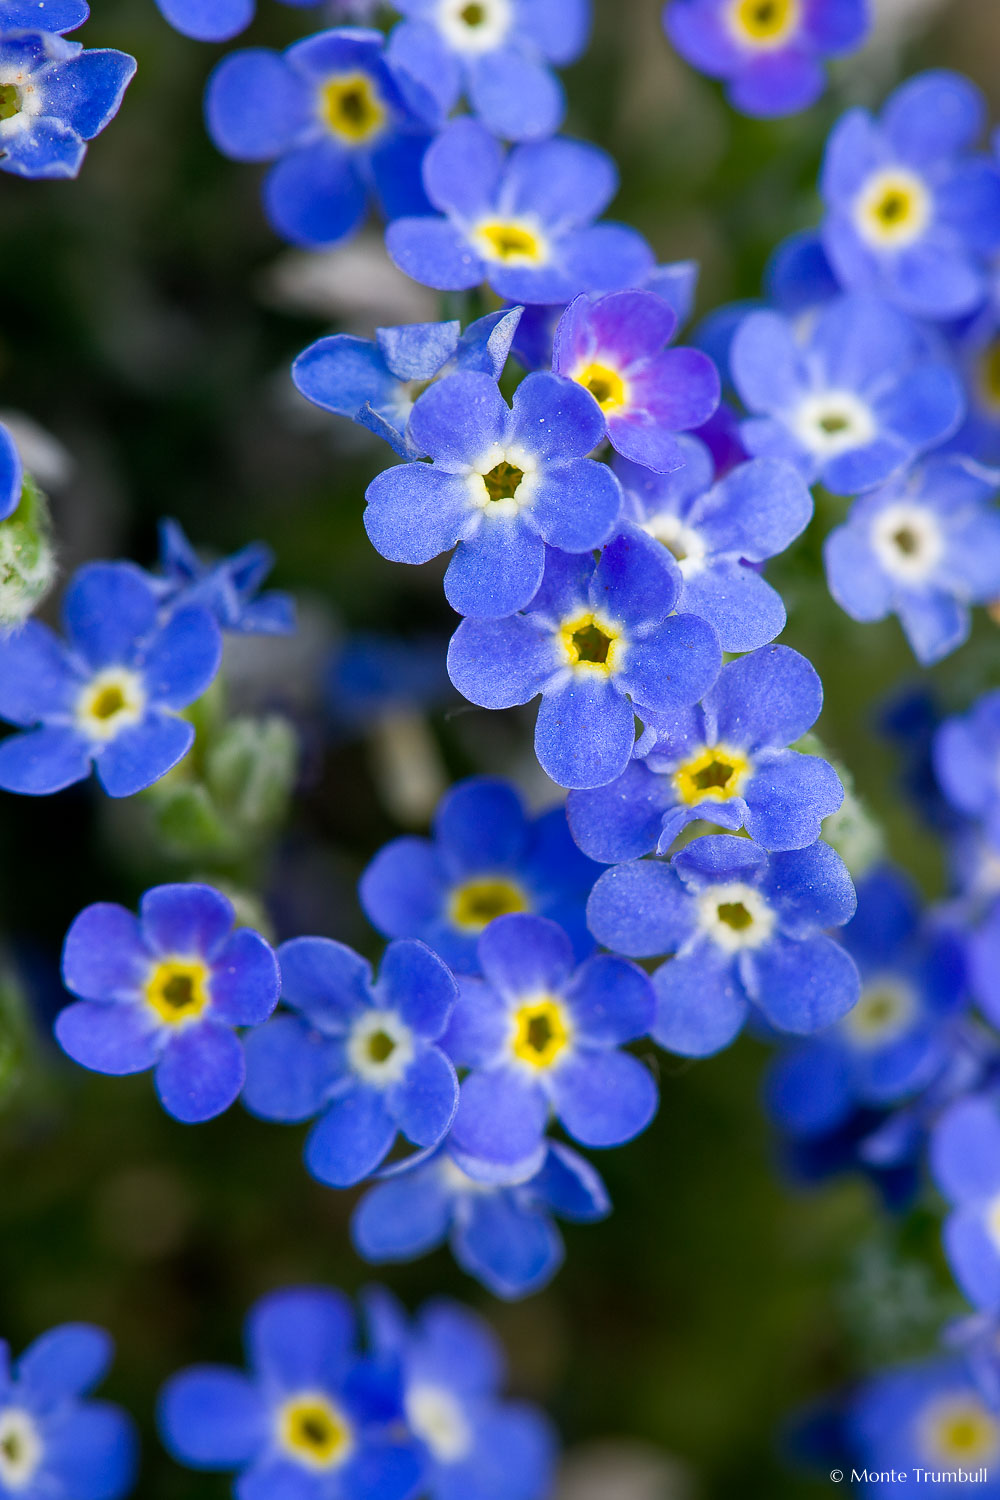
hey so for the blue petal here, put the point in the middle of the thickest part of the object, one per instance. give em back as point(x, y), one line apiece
point(245, 980)
point(521, 955)
point(462, 170)
point(672, 665)
point(496, 663)
point(701, 1006)
point(479, 1027)
point(36, 680)
point(104, 956)
point(140, 755)
point(43, 15)
point(108, 609)
point(417, 50)
point(576, 505)
point(788, 798)
point(516, 96)
point(185, 919)
point(766, 363)
point(49, 149)
point(512, 1248)
point(611, 1001)
point(435, 252)
point(86, 91)
point(570, 1185)
point(585, 731)
point(402, 1218)
point(416, 511)
point(809, 1089)
point(756, 511)
point(425, 1100)
point(934, 115)
point(965, 1151)
point(212, 1417)
point(200, 1073)
point(480, 825)
point(973, 1257)
point(67, 1361)
point(11, 475)
point(290, 1070)
point(314, 197)
point(771, 697)
point(301, 1337)
point(182, 659)
point(640, 909)
point(459, 419)
point(802, 986)
point(810, 889)
point(501, 1116)
point(566, 183)
point(620, 821)
point(113, 1038)
point(342, 372)
point(327, 981)
point(350, 1139)
point(208, 20)
point(401, 890)
point(603, 1098)
point(497, 571)
point(742, 608)
point(414, 351)
point(91, 1452)
point(413, 981)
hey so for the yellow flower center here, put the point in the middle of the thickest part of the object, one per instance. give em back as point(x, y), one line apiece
point(502, 480)
point(541, 1031)
point(988, 381)
point(177, 989)
point(605, 385)
point(352, 108)
point(764, 23)
point(476, 903)
point(713, 775)
point(893, 208)
point(511, 243)
point(312, 1429)
point(591, 645)
point(960, 1428)
point(473, 15)
point(113, 700)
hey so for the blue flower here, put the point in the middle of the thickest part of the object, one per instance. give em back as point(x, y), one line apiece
point(925, 546)
point(166, 990)
point(360, 1054)
point(854, 402)
point(965, 1163)
point(501, 484)
point(498, 53)
point(376, 383)
point(900, 1034)
point(486, 858)
point(613, 347)
point(213, 20)
point(43, 15)
point(53, 1444)
point(799, 277)
point(770, 53)
point(500, 1232)
point(746, 929)
point(312, 1419)
point(11, 475)
point(724, 761)
point(227, 589)
point(911, 213)
point(719, 533)
point(601, 643)
point(54, 98)
point(542, 1039)
point(929, 1416)
point(109, 698)
point(523, 224)
point(975, 346)
point(966, 754)
point(475, 1445)
point(331, 114)
point(983, 947)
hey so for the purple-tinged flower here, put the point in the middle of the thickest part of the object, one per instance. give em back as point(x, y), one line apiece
point(614, 347)
point(167, 990)
point(524, 223)
point(600, 643)
point(769, 53)
point(227, 589)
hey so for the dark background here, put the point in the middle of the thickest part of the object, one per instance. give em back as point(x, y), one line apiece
point(147, 319)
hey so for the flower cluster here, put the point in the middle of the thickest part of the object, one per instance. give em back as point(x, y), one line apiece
point(416, 1411)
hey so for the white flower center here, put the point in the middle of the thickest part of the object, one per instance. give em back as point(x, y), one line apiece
point(113, 700)
point(686, 544)
point(908, 541)
point(20, 100)
point(735, 915)
point(20, 1448)
point(435, 1416)
point(892, 209)
point(883, 1013)
point(832, 422)
point(502, 482)
point(474, 26)
point(958, 1430)
point(380, 1047)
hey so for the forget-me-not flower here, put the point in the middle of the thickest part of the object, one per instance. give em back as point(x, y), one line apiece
point(54, 98)
point(228, 589)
